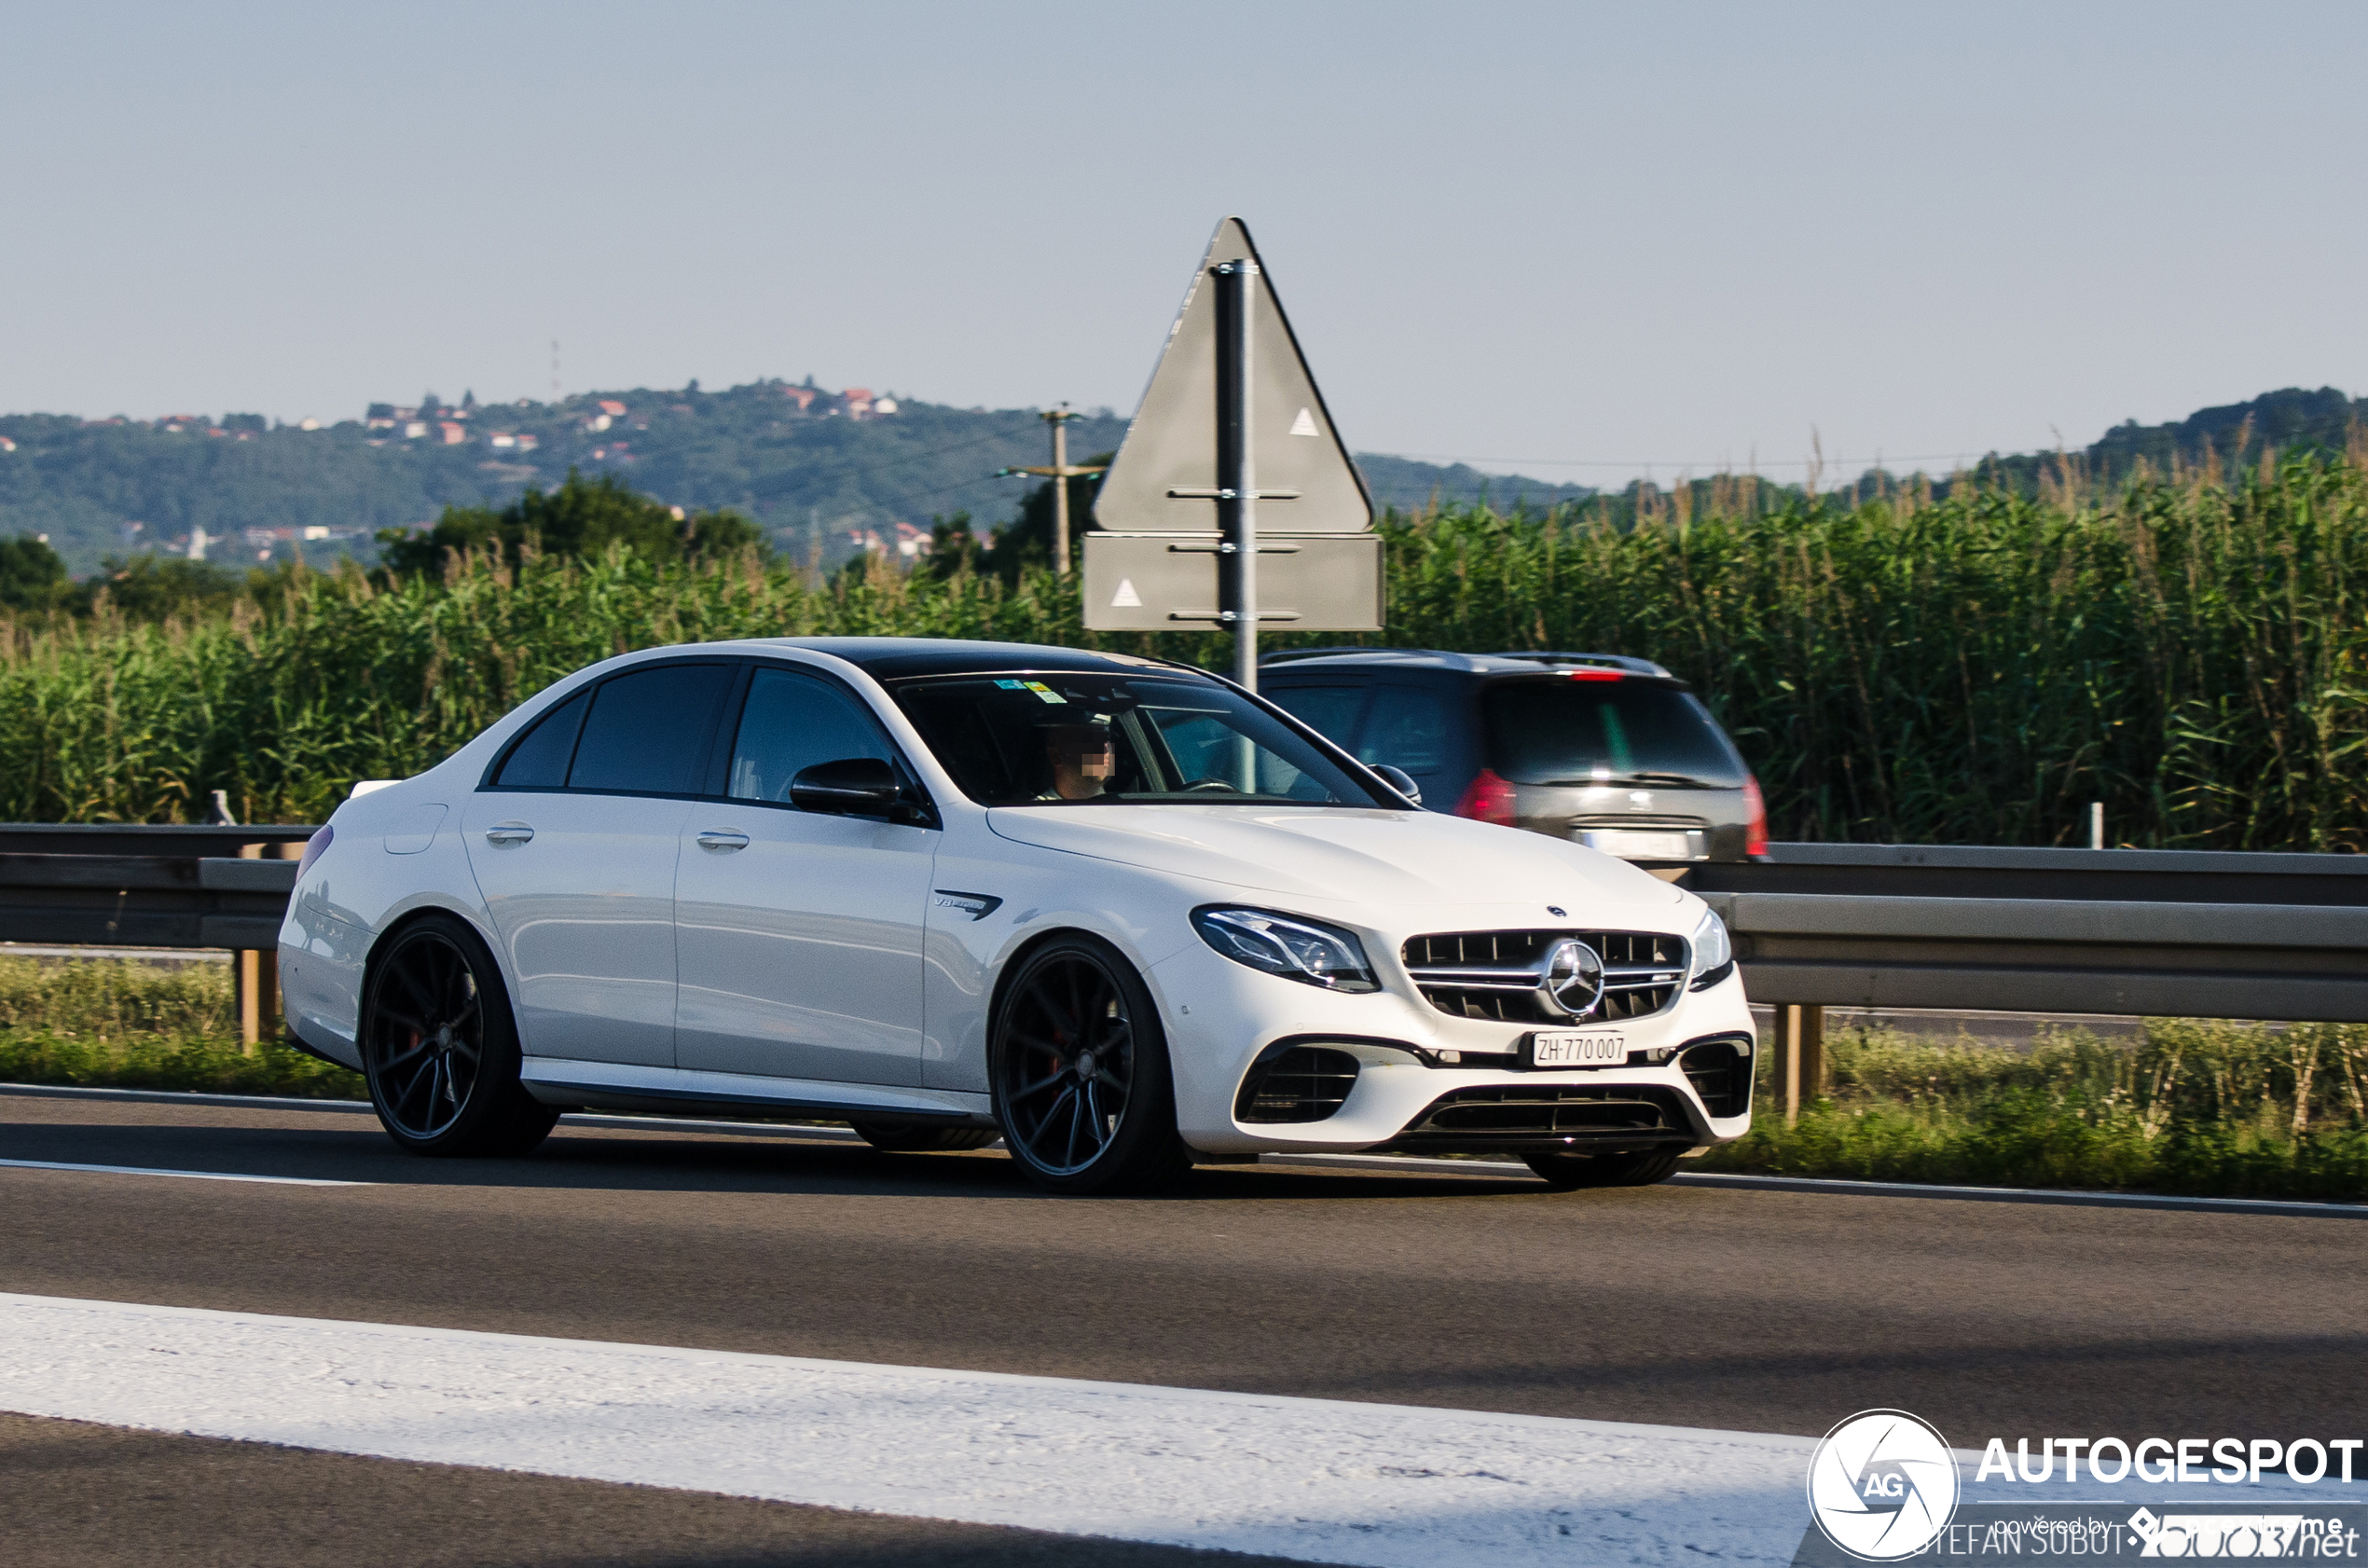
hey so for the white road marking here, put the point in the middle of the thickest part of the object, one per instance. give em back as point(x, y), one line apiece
point(1323, 1480)
point(1316, 1480)
point(193, 1176)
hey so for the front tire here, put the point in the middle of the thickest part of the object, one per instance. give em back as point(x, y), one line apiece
point(440, 1048)
point(1641, 1167)
point(1078, 1065)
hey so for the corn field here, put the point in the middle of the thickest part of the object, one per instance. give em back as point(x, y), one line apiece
point(2187, 649)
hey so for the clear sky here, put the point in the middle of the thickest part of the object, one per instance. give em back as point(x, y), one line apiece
point(1570, 240)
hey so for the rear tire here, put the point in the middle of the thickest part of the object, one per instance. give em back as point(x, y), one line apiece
point(1077, 1063)
point(440, 1048)
point(923, 1140)
point(1641, 1167)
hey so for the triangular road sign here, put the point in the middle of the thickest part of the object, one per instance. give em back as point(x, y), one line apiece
point(1172, 444)
point(1126, 597)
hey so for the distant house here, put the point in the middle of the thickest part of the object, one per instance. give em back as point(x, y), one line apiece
point(414, 428)
point(7, 445)
point(882, 407)
point(529, 442)
point(502, 438)
point(454, 431)
point(613, 408)
point(600, 421)
point(857, 401)
point(803, 396)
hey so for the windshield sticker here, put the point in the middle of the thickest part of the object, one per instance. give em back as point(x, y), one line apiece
point(1013, 685)
point(1041, 690)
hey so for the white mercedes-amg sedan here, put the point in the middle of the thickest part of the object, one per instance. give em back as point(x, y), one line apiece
point(1116, 912)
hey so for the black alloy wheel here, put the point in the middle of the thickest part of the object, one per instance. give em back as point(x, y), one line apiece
point(1078, 1065)
point(1634, 1167)
point(439, 1048)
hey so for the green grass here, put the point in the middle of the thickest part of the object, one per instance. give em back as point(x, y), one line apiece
point(2194, 1106)
point(121, 1024)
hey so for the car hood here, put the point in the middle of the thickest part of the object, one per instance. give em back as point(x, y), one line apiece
point(1366, 856)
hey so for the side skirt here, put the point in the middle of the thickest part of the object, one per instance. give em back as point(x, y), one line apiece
point(617, 1086)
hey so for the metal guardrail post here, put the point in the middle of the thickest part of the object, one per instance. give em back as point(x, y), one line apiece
point(246, 978)
point(1800, 1055)
point(254, 972)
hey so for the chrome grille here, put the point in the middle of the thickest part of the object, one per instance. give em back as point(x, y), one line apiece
point(1489, 974)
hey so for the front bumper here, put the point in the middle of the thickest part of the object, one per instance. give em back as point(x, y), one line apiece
point(1220, 1017)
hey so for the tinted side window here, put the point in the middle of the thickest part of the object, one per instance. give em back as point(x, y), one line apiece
point(1330, 712)
point(539, 761)
point(647, 729)
point(1408, 729)
point(791, 723)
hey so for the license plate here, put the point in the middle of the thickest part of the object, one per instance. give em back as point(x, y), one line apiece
point(1564, 1049)
point(1630, 843)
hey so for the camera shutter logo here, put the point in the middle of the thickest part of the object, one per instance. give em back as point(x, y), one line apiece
point(1882, 1485)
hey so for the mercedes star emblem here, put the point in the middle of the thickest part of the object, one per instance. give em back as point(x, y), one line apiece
point(1573, 980)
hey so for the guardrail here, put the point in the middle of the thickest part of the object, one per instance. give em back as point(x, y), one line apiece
point(2159, 932)
point(106, 885)
point(2176, 933)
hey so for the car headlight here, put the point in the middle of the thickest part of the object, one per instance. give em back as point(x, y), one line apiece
point(1714, 952)
point(1290, 945)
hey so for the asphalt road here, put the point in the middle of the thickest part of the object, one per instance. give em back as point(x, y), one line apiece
point(1757, 1310)
point(74, 1496)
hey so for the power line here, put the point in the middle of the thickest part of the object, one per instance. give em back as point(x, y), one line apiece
point(1723, 465)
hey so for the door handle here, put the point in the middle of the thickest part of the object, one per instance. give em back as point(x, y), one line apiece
point(508, 832)
point(723, 838)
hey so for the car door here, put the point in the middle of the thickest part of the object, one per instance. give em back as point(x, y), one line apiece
point(573, 841)
point(800, 932)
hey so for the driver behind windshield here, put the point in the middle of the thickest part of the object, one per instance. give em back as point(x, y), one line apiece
point(1082, 760)
point(1109, 739)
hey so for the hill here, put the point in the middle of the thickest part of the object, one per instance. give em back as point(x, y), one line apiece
point(822, 472)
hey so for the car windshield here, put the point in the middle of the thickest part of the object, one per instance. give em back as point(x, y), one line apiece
point(1564, 731)
point(1051, 738)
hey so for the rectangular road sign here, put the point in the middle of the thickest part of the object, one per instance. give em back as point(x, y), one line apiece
point(1170, 582)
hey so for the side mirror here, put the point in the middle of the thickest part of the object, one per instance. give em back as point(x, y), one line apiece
point(1401, 780)
point(850, 787)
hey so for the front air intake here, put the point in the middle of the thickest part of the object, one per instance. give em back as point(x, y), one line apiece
point(1301, 1084)
point(1720, 1070)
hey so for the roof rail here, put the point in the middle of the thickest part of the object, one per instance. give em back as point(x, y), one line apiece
point(1281, 655)
point(1616, 661)
point(1465, 661)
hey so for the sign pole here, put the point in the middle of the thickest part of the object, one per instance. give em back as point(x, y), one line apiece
point(1060, 491)
point(1237, 467)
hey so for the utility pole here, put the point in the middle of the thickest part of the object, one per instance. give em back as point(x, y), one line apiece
point(1060, 472)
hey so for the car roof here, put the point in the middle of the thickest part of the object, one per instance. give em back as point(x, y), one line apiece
point(1318, 660)
point(891, 659)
